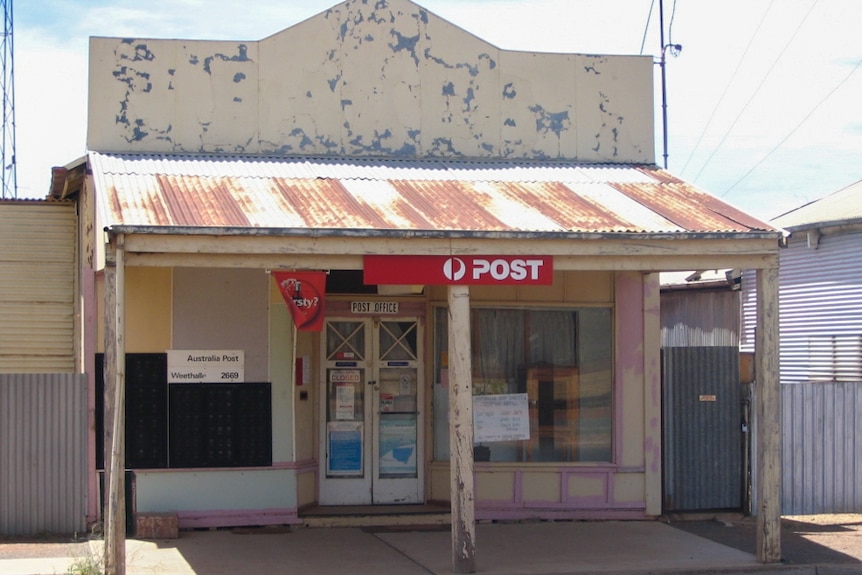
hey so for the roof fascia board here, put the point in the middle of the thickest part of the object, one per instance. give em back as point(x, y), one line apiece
point(644, 264)
point(360, 245)
point(435, 234)
point(827, 226)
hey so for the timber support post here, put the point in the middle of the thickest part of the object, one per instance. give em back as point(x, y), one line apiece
point(768, 418)
point(461, 432)
point(115, 392)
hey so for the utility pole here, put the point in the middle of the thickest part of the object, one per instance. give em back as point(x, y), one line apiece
point(674, 50)
point(7, 147)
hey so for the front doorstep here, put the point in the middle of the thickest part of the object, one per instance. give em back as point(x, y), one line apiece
point(374, 515)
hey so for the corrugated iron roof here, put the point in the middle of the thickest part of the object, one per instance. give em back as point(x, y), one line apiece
point(841, 207)
point(441, 195)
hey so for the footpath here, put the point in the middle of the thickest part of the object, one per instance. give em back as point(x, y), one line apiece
point(815, 545)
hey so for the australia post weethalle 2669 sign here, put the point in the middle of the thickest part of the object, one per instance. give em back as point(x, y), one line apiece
point(450, 270)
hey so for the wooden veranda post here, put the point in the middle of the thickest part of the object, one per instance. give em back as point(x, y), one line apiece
point(115, 386)
point(768, 419)
point(461, 432)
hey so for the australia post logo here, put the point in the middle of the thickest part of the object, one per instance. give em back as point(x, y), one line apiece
point(447, 270)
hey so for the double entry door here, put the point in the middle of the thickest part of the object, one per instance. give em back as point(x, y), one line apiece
point(371, 436)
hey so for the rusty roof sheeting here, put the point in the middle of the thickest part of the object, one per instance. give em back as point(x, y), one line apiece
point(445, 195)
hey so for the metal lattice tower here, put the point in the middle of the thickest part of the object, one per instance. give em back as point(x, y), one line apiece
point(7, 61)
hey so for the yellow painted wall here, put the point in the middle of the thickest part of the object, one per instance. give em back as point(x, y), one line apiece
point(148, 310)
point(497, 485)
point(281, 374)
point(630, 488)
point(439, 482)
point(541, 487)
point(588, 485)
point(302, 398)
point(630, 365)
point(306, 489)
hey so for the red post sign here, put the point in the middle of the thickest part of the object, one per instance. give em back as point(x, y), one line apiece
point(303, 293)
point(451, 270)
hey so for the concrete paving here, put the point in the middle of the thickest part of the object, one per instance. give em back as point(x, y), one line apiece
point(544, 548)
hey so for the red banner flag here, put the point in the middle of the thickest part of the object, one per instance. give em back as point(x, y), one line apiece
point(304, 293)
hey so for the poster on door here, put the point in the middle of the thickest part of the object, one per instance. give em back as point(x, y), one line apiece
point(398, 446)
point(345, 401)
point(345, 381)
point(345, 448)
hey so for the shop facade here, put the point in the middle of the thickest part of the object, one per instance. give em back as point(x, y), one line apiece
point(273, 237)
point(355, 409)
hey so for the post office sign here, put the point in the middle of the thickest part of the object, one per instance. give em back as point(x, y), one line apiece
point(462, 269)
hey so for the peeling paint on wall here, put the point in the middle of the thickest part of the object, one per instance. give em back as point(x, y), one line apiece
point(405, 43)
point(141, 52)
point(241, 56)
point(333, 85)
point(546, 121)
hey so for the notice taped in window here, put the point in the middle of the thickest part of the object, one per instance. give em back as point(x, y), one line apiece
point(500, 418)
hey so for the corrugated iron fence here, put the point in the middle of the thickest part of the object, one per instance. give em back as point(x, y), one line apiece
point(821, 448)
point(43, 453)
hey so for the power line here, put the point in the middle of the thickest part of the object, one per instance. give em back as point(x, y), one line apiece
point(646, 26)
point(670, 24)
point(756, 90)
point(726, 89)
point(793, 131)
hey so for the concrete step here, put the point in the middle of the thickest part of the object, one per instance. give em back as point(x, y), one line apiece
point(376, 516)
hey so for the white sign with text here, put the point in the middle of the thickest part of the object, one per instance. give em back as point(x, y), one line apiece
point(206, 365)
point(500, 417)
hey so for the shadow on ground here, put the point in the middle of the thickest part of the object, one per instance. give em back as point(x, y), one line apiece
point(805, 540)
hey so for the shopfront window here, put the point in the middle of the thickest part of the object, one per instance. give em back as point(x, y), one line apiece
point(560, 358)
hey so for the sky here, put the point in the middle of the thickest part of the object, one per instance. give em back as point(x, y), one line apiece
point(763, 101)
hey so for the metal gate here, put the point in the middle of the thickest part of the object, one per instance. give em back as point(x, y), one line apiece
point(703, 409)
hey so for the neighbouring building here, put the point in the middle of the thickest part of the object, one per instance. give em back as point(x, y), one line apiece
point(820, 294)
point(44, 411)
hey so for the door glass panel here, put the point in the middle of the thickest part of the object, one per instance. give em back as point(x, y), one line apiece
point(397, 446)
point(345, 415)
point(398, 340)
point(345, 400)
point(397, 422)
point(398, 390)
point(345, 340)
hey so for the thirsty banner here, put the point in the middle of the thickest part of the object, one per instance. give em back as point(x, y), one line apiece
point(303, 292)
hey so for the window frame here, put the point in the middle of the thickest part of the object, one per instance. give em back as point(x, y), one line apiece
point(565, 380)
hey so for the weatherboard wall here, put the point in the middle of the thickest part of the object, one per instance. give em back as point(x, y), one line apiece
point(365, 80)
point(38, 279)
